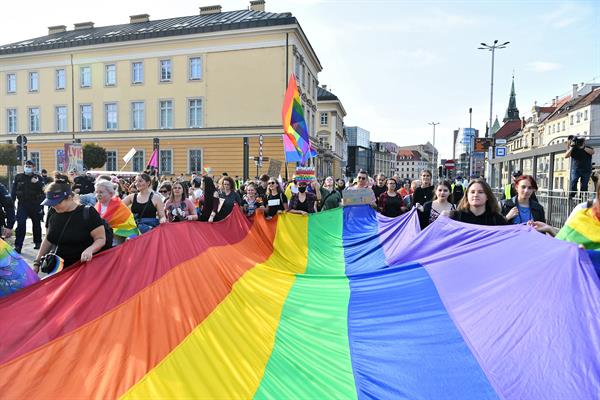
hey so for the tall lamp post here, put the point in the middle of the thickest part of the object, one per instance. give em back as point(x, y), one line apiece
point(433, 163)
point(491, 48)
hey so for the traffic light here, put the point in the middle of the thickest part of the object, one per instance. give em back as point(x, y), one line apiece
point(156, 143)
point(440, 171)
point(19, 154)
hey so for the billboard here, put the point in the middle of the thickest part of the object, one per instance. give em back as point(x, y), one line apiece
point(483, 144)
point(73, 157)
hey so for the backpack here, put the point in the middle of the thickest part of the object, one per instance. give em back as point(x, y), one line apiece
point(108, 232)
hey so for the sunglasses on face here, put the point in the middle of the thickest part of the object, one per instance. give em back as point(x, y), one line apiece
point(362, 178)
point(271, 183)
point(163, 191)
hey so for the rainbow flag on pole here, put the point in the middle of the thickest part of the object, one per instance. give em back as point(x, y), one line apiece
point(296, 140)
point(343, 304)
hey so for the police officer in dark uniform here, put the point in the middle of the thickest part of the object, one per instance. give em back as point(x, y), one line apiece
point(7, 212)
point(28, 188)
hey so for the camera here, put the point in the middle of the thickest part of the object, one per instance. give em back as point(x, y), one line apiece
point(575, 141)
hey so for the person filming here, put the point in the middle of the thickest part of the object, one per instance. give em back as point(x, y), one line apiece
point(581, 166)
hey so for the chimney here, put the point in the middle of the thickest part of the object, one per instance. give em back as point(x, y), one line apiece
point(84, 25)
point(56, 29)
point(210, 10)
point(257, 5)
point(324, 87)
point(556, 101)
point(574, 94)
point(139, 18)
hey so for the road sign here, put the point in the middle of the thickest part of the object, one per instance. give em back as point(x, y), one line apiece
point(500, 141)
point(500, 151)
point(260, 150)
point(21, 139)
point(449, 164)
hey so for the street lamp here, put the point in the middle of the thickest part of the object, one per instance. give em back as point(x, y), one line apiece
point(433, 152)
point(491, 48)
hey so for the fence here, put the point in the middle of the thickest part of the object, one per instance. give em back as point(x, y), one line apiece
point(557, 204)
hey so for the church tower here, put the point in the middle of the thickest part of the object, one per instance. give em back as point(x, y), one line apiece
point(512, 112)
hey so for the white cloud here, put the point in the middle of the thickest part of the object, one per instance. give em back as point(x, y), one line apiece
point(565, 15)
point(543, 66)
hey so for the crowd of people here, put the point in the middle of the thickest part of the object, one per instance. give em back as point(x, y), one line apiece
point(89, 214)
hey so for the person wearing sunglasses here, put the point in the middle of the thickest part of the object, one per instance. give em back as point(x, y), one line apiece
point(277, 201)
point(165, 191)
point(362, 182)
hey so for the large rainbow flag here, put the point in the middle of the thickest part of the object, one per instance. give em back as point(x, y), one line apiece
point(296, 141)
point(15, 274)
point(341, 304)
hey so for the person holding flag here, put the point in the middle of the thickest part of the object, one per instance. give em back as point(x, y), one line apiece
point(112, 210)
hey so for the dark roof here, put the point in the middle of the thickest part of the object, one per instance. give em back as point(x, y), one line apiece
point(574, 104)
point(591, 98)
point(324, 94)
point(223, 21)
point(509, 129)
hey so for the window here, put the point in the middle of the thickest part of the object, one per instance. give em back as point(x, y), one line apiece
point(165, 70)
point(60, 160)
point(85, 77)
point(137, 72)
point(166, 161)
point(110, 116)
point(138, 161)
point(34, 119)
point(111, 160)
point(110, 75)
point(35, 157)
point(585, 115)
point(324, 119)
point(34, 81)
point(578, 117)
point(195, 113)
point(303, 77)
point(166, 114)
point(572, 120)
point(61, 79)
point(195, 68)
point(85, 110)
point(61, 118)
point(297, 70)
point(137, 115)
point(11, 83)
point(194, 161)
point(11, 119)
point(563, 126)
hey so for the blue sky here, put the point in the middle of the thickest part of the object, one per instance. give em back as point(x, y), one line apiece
point(397, 65)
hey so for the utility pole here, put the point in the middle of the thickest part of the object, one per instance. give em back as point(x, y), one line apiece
point(491, 48)
point(433, 155)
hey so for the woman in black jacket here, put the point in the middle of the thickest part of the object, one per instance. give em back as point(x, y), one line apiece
point(478, 206)
point(522, 208)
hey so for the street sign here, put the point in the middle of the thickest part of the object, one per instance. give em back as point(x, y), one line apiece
point(500, 151)
point(21, 139)
point(260, 150)
point(500, 141)
point(449, 164)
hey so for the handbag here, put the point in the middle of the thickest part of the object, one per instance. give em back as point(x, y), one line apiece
point(52, 262)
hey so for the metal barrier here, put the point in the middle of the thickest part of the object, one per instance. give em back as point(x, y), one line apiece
point(557, 204)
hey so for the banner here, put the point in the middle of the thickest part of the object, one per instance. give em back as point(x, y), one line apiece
point(305, 174)
point(274, 167)
point(73, 157)
point(357, 196)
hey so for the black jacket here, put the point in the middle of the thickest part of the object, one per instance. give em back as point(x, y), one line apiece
point(27, 191)
point(537, 211)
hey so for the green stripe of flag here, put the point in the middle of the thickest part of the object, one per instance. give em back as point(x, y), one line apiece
point(312, 338)
point(569, 234)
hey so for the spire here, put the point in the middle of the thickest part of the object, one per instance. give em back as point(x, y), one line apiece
point(495, 126)
point(512, 112)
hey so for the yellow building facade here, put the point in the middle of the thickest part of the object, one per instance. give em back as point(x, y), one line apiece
point(208, 86)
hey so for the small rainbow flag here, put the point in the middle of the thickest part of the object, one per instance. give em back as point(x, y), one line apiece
point(295, 139)
point(120, 218)
point(582, 228)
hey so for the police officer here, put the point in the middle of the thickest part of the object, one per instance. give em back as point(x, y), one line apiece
point(28, 188)
point(7, 212)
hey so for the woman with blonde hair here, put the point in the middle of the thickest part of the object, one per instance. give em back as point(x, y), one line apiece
point(112, 210)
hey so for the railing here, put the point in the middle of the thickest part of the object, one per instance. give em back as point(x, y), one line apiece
point(557, 204)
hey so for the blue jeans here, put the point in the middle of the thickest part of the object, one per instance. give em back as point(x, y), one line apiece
point(34, 212)
point(585, 179)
